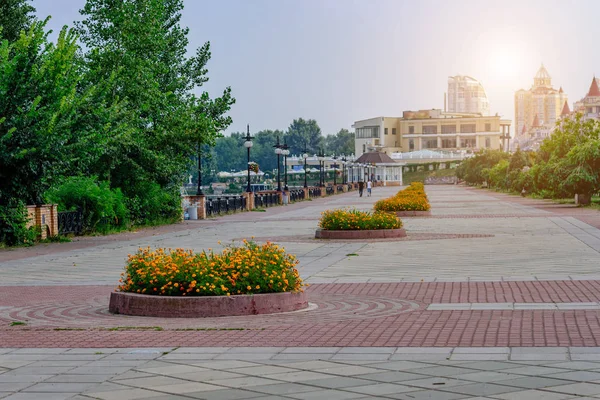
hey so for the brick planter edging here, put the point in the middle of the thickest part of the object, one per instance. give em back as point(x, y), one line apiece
point(205, 306)
point(413, 213)
point(365, 234)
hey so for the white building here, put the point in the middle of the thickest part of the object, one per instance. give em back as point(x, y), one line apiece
point(467, 95)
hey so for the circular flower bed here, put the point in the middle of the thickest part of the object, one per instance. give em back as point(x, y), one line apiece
point(355, 224)
point(249, 269)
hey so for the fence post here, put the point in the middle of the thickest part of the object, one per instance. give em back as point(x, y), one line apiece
point(249, 200)
point(201, 204)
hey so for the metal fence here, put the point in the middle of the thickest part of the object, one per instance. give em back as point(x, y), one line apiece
point(314, 192)
point(266, 199)
point(70, 222)
point(296, 194)
point(329, 190)
point(223, 205)
point(340, 188)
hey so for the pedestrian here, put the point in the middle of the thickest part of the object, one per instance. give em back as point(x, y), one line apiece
point(369, 186)
point(361, 186)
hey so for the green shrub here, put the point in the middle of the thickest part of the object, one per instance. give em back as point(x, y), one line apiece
point(98, 203)
point(13, 226)
point(149, 204)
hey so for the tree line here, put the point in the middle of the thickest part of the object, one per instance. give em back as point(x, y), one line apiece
point(229, 154)
point(567, 163)
point(111, 104)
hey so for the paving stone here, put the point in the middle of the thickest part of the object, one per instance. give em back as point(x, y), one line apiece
point(482, 389)
point(391, 376)
point(338, 382)
point(580, 376)
point(224, 394)
point(328, 394)
point(285, 388)
point(68, 378)
point(534, 382)
point(126, 394)
point(577, 389)
point(38, 396)
point(532, 395)
point(61, 387)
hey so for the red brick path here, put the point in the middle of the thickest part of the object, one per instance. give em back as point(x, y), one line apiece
point(377, 314)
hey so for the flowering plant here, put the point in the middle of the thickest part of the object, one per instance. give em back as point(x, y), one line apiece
point(247, 269)
point(253, 167)
point(413, 198)
point(344, 219)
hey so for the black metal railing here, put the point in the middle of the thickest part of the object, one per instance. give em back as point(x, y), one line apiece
point(350, 187)
point(264, 200)
point(223, 205)
point(314, 192)
point(296, 195)
point(329, 190)
point(340, 188)
point(70, 222)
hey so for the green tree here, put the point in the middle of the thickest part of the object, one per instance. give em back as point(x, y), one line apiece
point(140, 48)
point(340, 143)
point(39, 103)
point(15, 16)
point(303, 132)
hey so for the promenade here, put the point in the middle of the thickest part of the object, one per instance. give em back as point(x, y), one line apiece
point(492, 297)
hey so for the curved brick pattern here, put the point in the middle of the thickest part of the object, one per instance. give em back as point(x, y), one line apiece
point(413, 213)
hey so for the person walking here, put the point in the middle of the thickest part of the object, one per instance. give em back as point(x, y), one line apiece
point(361, 186)
point(369, 186)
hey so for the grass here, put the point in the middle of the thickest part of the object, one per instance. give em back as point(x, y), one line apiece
point(136, 328)
point(351, 255)
point(56, 239)
point(259, 210)
point(17, 323)
point(420, 176)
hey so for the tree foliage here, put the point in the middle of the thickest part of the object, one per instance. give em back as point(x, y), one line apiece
point(340, 143)
point(15, 16)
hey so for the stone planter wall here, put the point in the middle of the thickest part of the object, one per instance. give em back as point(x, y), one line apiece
point(413, 213)
point(205, 306)
point(365, 234)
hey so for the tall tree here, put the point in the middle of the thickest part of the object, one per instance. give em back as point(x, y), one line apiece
point(340, 143)
point(15, 16)
point(39, 103)
point(303, 132)
point(140, 46)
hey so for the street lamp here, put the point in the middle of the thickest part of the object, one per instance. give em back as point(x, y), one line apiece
point(305, 156)
point(248, 146)
point(285, 151)
point(278, 151)
point(344, 161)
point(334, 166)
point(321, 157)
point(199, 189)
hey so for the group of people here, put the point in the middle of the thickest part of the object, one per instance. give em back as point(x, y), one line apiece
point(361, 187)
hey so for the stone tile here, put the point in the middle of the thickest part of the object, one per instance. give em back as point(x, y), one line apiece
point(200, 350)
point(424, 350)
point(68, 378)
point(223, 364)
point(339, 382)
point(348, 370)
point(61, 387)
point(302, 356)
point(245, 356)
point(534, 382)
point(538, 350)
point(579, 376)
point(537, 357)
point(126, 394)
point(208, 376)
point(91, 370)
point(536, 370)
point(481, 350)
point(428, 395)
point(311, 350)
point(254, 350)
point(310, 365)
point(328, 394)
point(577, 365)
point(14, 386)
point(488, 376)
point(244, 382)
point(173, 369)
point(367, 350)
point(8, 378)
point(381, 389)
point(260, 370)
point(577, 389)
point(225, 394)
point(151, 381)
point(532, 395)
point(362, 356)
point(480, 357)
point(436, 383)
point(297, 376)
point(27, 370)
point(482, 389)
point(184, 387)
point(442, 370)
point(399, 365)
point(38, 396)
point(391, 376)
point(285, 388)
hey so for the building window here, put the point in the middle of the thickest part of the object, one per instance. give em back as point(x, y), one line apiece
point(488, 142)
point(393, 131)
point(448, 128)
point(411, 144)
point(367, 132)
point(468, 143)
point(429, 129)
point(468, 128)
point(411, 130)
point(385, 131)
point(488, 127)
point(448, 143)
point(429, 143)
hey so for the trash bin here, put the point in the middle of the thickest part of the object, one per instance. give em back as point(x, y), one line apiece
point(193, 212)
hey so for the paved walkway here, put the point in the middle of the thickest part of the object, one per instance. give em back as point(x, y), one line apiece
point(494, 296)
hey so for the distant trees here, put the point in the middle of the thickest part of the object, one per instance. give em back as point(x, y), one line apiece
point(15, 16)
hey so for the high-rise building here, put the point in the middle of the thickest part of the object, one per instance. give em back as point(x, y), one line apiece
point(541, 104)
point(466, 95)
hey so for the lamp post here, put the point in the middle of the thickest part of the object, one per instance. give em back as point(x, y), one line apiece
point(334, 166)
point(305, 156)
point(285, 151)
point(321, 157)
point(248, 146)
point(344, 180)
point(278, 151)
point(199, 189)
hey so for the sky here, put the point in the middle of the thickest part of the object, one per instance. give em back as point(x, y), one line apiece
point(339, 61)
